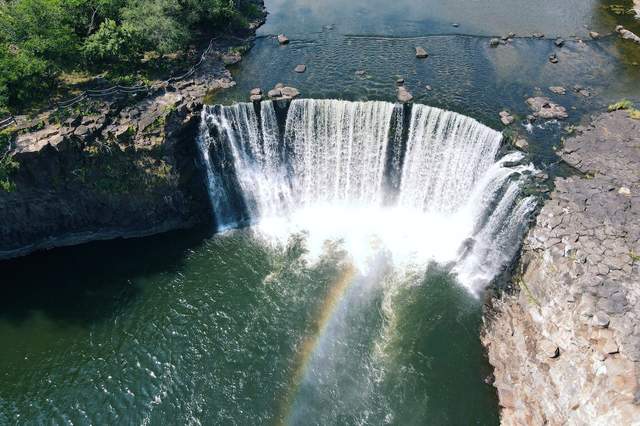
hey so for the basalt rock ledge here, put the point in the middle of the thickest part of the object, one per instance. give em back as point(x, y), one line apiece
point(118, 168)
point(565, 342)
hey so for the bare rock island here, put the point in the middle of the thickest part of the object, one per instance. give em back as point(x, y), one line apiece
point(565, 343)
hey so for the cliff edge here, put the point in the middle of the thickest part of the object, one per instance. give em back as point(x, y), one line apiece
point(120, 167)
point(565, 344)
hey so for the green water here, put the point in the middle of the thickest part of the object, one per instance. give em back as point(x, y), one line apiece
point(230, 330)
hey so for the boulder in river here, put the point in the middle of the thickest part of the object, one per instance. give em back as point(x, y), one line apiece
point(404, 95)
point(256, 98)
point(400, 82)
point(300, 68)
point(283, 39)
point(494, 42)
point(553, 58)
point(361, 73)
point(256, 91)
point(538, 35)
point(521, 144)
point(542, 107)
point(627, 35)
point(594, 35)
point(506, 118)
point(558, 90)
point(421, 53)
point(290, 92)
point(559, 42)
point(275, 93)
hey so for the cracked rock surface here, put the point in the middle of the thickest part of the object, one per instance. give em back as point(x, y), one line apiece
point(565, 345)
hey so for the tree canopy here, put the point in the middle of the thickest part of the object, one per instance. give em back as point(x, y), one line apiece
point(39, 39)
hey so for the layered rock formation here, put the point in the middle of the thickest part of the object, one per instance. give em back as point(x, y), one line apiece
point(125, 167)
point(566, 343)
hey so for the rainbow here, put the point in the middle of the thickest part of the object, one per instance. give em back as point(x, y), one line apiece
point(310, 343)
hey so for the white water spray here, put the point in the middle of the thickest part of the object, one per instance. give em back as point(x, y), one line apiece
point(328, 175)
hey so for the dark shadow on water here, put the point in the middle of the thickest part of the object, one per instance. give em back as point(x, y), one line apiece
point(90, 282)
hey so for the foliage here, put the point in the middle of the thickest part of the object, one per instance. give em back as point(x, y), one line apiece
point(623, 104)
point(626, 105)
point(7, 164)
point(112, 43)
point(40, 39)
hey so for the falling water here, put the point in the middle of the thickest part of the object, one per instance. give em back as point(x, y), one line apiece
point(350, 171)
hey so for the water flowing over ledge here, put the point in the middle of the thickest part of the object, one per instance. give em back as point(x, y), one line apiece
point(418, 183)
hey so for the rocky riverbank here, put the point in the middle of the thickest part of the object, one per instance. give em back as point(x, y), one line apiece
point(123, 167)
point(565, 344)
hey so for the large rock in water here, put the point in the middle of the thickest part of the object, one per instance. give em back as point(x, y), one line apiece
point(626, 34)
point(404, 95)
point(290, 92)
point(565, 345)
point(421, 53)
point(274, 93)
point(506, 118)
point(542, 107)
point(283, 39)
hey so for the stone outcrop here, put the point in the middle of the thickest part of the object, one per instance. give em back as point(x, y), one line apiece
point(542, 107)
point(626, 34)
point(122, 167)
point(565, 341)
point(506, 118)
point(404, 95)
point(421, 53)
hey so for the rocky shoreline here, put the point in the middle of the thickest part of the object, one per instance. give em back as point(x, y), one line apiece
point(565, 341)
point(119, 168)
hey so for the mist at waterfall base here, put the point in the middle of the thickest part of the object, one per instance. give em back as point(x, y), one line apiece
point(412, 188)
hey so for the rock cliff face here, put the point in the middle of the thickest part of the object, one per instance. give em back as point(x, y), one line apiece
point(125, 167)
point(565, 344)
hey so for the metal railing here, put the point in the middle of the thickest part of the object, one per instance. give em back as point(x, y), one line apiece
point(115, 90)
point(6, 122)
point(93, 93)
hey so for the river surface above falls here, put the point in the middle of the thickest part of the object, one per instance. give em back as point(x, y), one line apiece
point(187, 329)
point(335, 39)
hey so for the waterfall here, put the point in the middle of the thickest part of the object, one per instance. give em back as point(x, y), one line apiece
point(428, 188)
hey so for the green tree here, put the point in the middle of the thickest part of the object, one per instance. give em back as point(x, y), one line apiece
point(113, 43)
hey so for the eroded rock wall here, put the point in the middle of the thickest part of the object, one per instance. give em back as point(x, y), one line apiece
point(123, 167)
point(566, 345)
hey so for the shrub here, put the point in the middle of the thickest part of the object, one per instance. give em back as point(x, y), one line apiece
point(623, 104)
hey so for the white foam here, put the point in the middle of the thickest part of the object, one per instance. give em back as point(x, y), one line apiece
point(325, 177)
